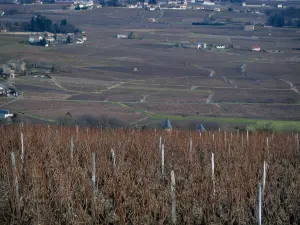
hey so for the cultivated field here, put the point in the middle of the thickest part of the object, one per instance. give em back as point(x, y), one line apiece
point(200, 85)
point(216, 177)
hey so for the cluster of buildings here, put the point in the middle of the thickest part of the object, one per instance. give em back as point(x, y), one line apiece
point(202, 45)
point(47, 38)
point(263, 5)
point(12, 68)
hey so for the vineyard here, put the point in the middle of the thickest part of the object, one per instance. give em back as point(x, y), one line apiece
point(71, 175)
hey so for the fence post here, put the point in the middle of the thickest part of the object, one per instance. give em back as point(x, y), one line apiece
point(94, 172)
point(160, 143)
point(113, 158)
point(173, 196)
point(22, 152)
point(72, 148)
point(213, 142)
point(259, 204)
point(242, 141)
point(77, 132)
point(163, 161)
point(264, 177)
point(247, 138)
point(57, 141)
point(16, 185)
point(297, 143)
point(49, 135)
point(94, 185)
point(267, 144)
point(191, 149)
point(213, 172)
point(225, 141)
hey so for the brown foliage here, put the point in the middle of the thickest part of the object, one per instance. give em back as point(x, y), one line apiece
point(56, 190)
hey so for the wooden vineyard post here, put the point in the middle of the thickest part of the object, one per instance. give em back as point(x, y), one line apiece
point(259, 204)
point(264, 177)
point(191, 149)
point(57, 141)
point(77, 133)
point(225, 141)
point(160, 143)
point(242, 141)
point(229, 152)
point(49, 135)
point(16, 185)
point(297, 143)
point(247, 138)
point(213, 142)
point(113, 158)
point(94, 172)
point(213, 172)
point(173, 196)
point(94, 185)
point(22, 153)
point(267, 144)
point(72, 148)
point(163, 161)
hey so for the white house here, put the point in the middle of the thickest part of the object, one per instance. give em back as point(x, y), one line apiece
point(35, 39)
point(201, 45)
point(208, 3)
point(122, 36)
point(220, 46)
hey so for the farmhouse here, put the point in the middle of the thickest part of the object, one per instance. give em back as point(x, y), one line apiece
point(35, 38)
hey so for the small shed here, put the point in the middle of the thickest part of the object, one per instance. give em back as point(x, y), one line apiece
point(201, 128)
point(201, 45)
point(5, 114)
point(167, 125)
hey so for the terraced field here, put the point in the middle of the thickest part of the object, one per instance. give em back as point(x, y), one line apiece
point(152, 78)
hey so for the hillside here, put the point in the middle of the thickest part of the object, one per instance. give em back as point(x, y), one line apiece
point(55, 184)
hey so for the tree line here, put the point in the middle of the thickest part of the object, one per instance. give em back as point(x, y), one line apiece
point(284, 17)
point(40, 23)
